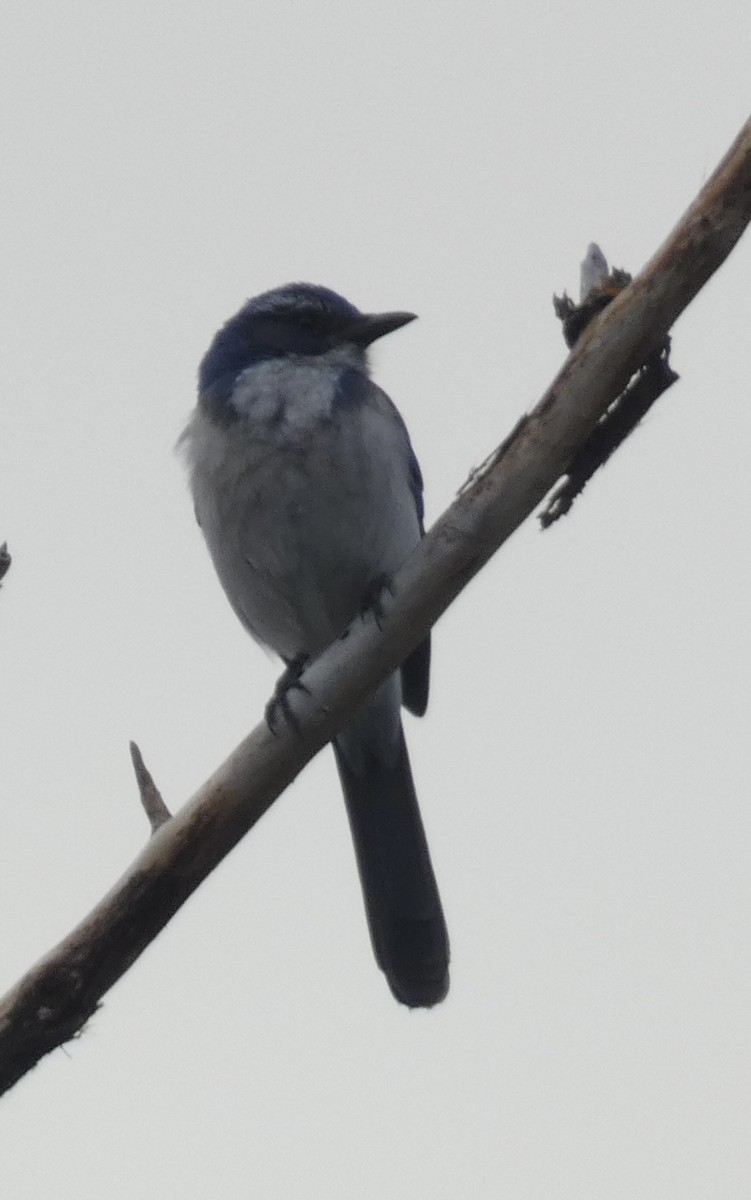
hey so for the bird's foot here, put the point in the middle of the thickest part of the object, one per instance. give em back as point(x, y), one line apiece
point(279, 702)
point(372, 600)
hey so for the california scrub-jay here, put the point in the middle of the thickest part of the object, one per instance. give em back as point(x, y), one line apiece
point(310, 497)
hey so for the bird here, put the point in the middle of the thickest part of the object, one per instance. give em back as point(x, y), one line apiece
point(310, 497)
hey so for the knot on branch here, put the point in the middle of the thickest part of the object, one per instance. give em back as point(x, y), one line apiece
point(599, 287)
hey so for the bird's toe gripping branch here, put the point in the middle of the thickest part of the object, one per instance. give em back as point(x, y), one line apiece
point(289, 681)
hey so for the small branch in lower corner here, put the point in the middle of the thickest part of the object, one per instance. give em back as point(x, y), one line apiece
point(151, 798)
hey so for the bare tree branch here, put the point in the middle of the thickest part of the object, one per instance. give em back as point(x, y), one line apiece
point(54, 1000)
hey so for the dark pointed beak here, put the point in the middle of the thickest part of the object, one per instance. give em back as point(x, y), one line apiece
point(368, 327)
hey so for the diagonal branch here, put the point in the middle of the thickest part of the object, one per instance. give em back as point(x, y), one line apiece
point(57, 996)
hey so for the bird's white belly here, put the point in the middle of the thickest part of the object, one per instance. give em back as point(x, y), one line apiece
point(301, 518)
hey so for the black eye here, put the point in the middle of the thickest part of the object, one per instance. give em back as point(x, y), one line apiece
point(312, 320)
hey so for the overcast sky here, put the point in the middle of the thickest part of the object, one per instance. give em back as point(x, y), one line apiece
point(584, 767)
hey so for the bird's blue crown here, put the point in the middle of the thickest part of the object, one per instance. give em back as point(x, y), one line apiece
point(299, 318)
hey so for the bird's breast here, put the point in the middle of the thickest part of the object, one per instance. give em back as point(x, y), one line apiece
point(304, 502)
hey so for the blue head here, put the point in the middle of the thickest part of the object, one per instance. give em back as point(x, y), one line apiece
point(299, 319)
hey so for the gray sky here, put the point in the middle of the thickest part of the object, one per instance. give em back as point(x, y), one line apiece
point(584, 767)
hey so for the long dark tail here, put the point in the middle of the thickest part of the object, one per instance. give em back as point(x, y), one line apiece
point(403, 907)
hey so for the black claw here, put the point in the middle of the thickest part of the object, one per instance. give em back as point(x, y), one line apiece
point(279, 702)
point(372, 601)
